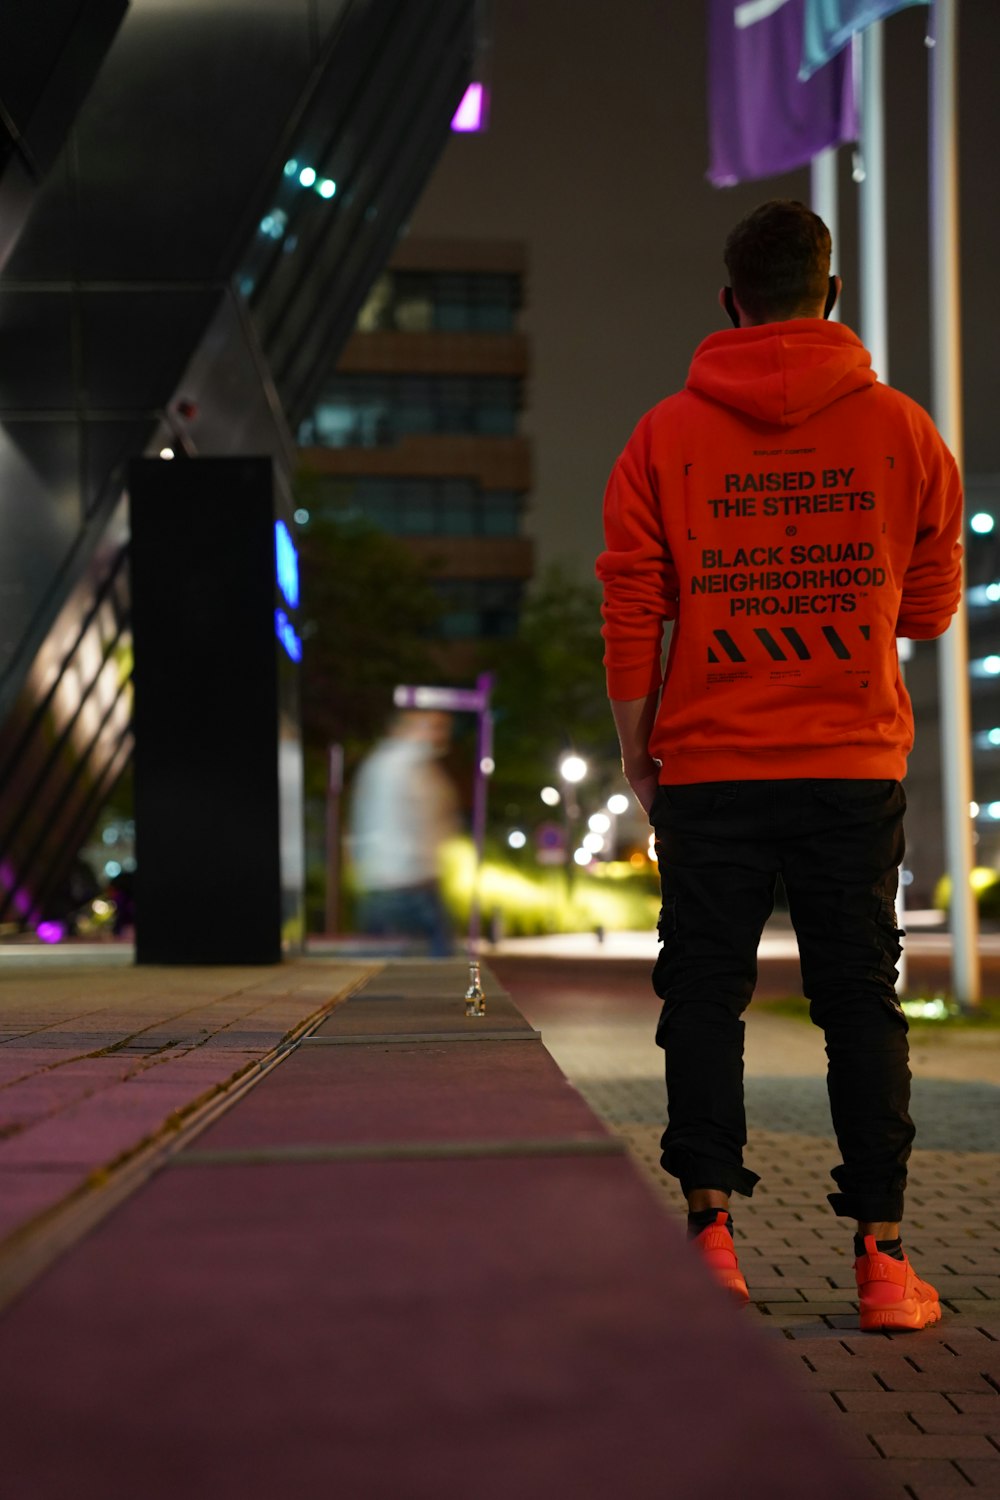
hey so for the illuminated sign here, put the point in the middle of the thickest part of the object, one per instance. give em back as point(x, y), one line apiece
point(287, 561)
point(287, 635)
point(471, 113)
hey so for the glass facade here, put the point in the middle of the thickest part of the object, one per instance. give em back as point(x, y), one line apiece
point(479, 608)
point(442, 301)
point(419, 507)
point(424, 389)
point(378, 411)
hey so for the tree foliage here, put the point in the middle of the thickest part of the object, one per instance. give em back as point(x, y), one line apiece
point(550, 693)
point(369, 611)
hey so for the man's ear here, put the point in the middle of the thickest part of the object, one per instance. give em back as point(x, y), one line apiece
point(728, 303)
point(833, 293)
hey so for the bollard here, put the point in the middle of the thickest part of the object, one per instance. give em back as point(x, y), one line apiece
point(475, 1000)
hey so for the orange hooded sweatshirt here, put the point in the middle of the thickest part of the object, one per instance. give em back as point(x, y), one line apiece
point(793, 517)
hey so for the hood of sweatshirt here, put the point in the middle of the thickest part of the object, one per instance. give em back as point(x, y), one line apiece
point(781, 373)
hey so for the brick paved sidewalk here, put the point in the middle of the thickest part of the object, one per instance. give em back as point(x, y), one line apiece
point(96, 1063)
point(920, 1413)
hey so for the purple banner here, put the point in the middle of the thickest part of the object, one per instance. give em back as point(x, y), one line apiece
point(762, 119)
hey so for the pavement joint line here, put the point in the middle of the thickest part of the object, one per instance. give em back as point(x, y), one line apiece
point(36, 1245)
point(369, 1039)
point(402, 1151)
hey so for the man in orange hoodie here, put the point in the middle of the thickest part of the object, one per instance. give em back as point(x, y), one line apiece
point(792, 516)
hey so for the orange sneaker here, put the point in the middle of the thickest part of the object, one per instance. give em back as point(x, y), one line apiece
point(891, 1294)
point(716, 1246)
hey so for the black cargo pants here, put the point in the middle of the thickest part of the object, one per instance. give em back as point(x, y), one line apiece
point(837, 845)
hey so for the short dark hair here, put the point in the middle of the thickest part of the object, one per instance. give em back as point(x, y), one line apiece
point(778, 259)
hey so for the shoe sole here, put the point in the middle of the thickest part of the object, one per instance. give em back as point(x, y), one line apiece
point(735, 1286)
point(903, 1317)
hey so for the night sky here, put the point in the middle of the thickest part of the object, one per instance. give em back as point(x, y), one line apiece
point(596, 158)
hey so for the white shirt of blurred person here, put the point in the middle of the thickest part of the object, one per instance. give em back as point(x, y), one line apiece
point(403, 809)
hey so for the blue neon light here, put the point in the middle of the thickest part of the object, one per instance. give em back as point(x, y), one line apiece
point(287, 559)
point(285, 631)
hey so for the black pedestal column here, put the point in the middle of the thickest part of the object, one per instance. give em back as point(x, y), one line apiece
point(218, 780)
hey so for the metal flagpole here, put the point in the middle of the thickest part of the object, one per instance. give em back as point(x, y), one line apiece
point(946, 357)
point(874, 270)
point(823, 198)
point(871, 206)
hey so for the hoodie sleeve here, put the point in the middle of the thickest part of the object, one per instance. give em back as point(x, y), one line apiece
point(638, 574)
point(932, 585)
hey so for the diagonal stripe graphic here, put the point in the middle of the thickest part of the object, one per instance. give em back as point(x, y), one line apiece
point(866, 631)
point(729, 646)
point(836, 644)
point(796, 642)
point(712, 656)
point(771, 646)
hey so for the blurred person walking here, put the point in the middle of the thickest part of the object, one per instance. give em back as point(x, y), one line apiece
point(792, 516)
point(403, 810)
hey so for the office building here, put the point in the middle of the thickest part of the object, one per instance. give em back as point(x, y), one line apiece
point(419, 428)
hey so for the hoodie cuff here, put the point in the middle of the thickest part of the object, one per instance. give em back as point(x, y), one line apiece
point(628, 683)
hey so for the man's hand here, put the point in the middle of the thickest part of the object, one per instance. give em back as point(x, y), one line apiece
point(644, 784)
point(634, 721)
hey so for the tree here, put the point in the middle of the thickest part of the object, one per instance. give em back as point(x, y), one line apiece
point(550, 694)
point(369, 613)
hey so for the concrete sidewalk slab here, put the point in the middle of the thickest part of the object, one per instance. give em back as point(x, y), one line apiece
point(430, 1331)
point(421, 1330)
point(422, 997)
point(394, 1092)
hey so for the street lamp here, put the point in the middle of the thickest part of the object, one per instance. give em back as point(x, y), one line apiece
point(572, 768)
point(617, 804)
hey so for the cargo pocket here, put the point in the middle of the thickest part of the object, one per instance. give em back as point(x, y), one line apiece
point(666, 931)
point(889, 936)
point(666, 923)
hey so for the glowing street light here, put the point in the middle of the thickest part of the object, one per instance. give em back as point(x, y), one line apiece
point(618, 804)
point(598, 822)
point(550, 796)
point(572, 768)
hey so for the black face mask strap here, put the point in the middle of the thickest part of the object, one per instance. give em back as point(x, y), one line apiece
point(831, 297)
point(730, 306)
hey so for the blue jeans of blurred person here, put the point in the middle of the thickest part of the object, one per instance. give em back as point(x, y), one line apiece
point(837, 846)
point(408, 911)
